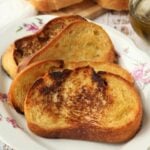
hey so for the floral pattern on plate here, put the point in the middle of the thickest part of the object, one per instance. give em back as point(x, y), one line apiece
point(141, 74)
point(33, 27)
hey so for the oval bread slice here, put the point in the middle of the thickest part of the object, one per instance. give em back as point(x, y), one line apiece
point(79, 41)
point(81, 104)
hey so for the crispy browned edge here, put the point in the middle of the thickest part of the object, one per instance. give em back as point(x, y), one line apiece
point(114, 4)
point(8, 63)
point(92, 133)
point(11, 97)
point(71, 65)
point(112, 57)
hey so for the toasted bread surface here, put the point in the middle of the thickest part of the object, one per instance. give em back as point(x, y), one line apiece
point(106, 67)
point(26, 78)
point(79, 41)
point(8, 62)
point(81, 104)
point(22, 48)
point(34, 72)
point(29, 45)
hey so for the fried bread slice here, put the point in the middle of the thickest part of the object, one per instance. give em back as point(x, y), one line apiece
point(24, 80)
point(8, 63)
point(39, 68)
point(79, 41)
point(106, 67)
point(27, 46)
point(81, 104)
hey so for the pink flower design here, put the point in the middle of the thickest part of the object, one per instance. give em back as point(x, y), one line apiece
point(12, 122)
point(3, 97)
point(138, 72)
point(142, 74)
point(31, 27)
point(1, 117)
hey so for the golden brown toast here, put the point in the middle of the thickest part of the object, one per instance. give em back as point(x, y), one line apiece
point(118, 5)
point(79, 41)
point(24, 80)
point(27, 46)
point(8, 62)
point(47, 6)
point(81, 104)
point(33, 71)
point(106, 67)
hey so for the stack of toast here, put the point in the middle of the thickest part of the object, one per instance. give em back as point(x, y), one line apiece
point(67, 83)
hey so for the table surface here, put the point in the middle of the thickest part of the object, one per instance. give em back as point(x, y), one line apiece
point(120, 21)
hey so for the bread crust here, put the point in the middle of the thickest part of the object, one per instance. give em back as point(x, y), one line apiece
point(49, 51)
point(51, 5)
point(8, 63)
point(105, 67)
point(92, 132)
point(114, 4)
point(24, 80)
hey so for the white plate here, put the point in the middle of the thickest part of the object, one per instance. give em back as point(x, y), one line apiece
point(13, 129)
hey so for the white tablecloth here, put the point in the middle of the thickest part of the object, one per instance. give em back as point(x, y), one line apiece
point(118, 20)
point(12, 10)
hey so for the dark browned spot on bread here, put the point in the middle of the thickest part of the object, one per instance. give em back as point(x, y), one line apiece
point(57, 78)
point(96, 32)
point(38, 82)
point(45, 90)
point(96, 77)
point(81, 92)
point(87, 101)
point(59, 75)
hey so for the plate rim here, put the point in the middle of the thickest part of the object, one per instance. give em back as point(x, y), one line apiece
point(107, 29)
